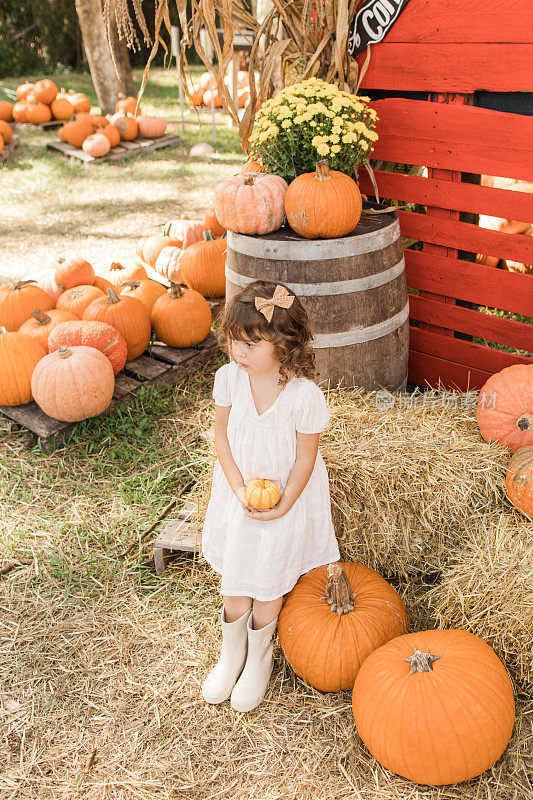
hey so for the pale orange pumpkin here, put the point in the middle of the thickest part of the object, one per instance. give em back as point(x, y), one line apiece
point(74, 272)
point(62, 108)
point(202, 266)
point(45, 279)
point(37, 113)
point(505, 407)
point(323, 204)
point(333, 618)
point(92, 334)
point(128, 104)
point(212, 97)
point(435, 707)
point(519, 480)
point(262, 494)
point(24, 90)
point(6, 111)
point(19, 355)
point(72, 384)
point(117, 272)
point(151, 127)
point(146, 290)
point(18, 300)
point(45, 91)
point(212, 224)
point(96, 145)
point(77, 299)
point(5, 131)
point(20, 110)
point(251, 204)
point(152, 246)
point(40, 324)
point(128, 315)
point(79, 101)
point(168, 264)
point(181, 317)
point(187, 231)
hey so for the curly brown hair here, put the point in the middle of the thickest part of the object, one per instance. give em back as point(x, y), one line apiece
point(289, 330)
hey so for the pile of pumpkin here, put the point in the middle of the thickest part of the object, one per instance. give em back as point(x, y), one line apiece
point(66, 332)
point(205, 92)
point(43, 102)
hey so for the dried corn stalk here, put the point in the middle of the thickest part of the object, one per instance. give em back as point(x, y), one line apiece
point(293, 40)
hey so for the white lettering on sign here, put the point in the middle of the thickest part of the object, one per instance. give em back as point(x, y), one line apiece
point(373, 22)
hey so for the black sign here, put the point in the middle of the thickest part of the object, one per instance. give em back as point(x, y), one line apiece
point(372, 23)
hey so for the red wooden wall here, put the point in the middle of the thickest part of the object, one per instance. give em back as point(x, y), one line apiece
point(457, 47)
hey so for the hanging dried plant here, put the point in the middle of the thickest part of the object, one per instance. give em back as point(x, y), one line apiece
point(293, 40)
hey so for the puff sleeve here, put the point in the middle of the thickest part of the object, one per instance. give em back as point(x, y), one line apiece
point(222, 386)
point(312, 414)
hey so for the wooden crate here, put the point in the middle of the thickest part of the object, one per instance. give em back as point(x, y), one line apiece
point(162, 365)
point(9, 149)
point(123, 150)
point(178, 535)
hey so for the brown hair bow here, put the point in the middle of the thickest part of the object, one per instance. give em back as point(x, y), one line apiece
point(281, 298)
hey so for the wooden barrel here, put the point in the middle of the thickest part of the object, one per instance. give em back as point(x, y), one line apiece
point(353, 289)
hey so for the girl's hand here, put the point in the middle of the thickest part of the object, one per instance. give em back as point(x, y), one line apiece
point(241, 497)
point(278, 511)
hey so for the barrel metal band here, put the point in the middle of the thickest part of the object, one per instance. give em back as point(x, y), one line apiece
point(335, 287)
point(344, 338)
point(313, 249)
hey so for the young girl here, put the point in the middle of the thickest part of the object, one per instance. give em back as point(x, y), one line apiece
point(268, 417)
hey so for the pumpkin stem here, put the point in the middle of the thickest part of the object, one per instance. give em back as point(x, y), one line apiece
point(249, 180)
point(176, 291)
point(322, 170)
point(421, 662)
point(166, 229)
point(40, 316)
point(64, 351)
point(116, 265)
point(112, 296)
point(339, 594)
point(20, 284)
point(525, 422)
point(208, 236)
point(132, 284)
point(60, 260)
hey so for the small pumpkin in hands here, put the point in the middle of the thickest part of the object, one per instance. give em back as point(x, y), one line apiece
point(519, 480)
point(505, 407)
point(181, 317)
point(262, 494)
point(19, 355)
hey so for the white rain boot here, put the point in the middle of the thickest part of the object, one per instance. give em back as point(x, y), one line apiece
point(218, 685)
point(251, 686)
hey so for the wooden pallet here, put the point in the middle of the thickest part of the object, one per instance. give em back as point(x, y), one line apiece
point(162, 365)
point(9, 149)
point(123, 150)
point(43, 126)
point(178, 535)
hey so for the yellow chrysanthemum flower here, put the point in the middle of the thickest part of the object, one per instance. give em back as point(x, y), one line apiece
point(336, 148)
point(287, 123)
point(363, 145)
point(323, 149)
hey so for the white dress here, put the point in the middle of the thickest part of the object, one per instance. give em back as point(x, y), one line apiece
point(259, 559)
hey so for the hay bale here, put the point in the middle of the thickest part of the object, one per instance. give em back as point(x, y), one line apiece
point(487, 589)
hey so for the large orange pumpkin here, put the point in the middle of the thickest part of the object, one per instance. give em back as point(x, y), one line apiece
point(77, 131)
point(91, 334)
point(6, 111)
point(323, 204)
point(251, 203)
point(128, 127)
point(333, 618)
point(5, 131)
point(19, 355)
point(505, 407)
point(202, 266)
point(40, 324)
point(72, 384)
point(37, 113)
point(18, 300)
point(128, 104)
point(181, 317)
point(45, 91)
point(435, 707)
point(24, 90)
point(20, 110)
point(146, 290)
point(74, 272)
point(151, 127)
point(128, 315)
point(79, 101)
point(212, 224)
point(111, 133)
point(62, 108)
point(77, 299)
point(519, 480)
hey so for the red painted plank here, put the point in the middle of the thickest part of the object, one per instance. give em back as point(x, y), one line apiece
point(426, 370)
point(457, 21)
point(447, 194)
point(475, 283)
point(464, 236)
point(470, 354)
point(456, 137)
point(503, 331)
point(459, 67)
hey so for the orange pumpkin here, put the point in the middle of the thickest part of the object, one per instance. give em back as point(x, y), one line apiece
point(151, 127)
point(251, 203)
point(126, 126)
point(18, 300)
point(168, 264)
point(72, 384)
point(91, 334)
point(333, 618)
point(198, 96)
point(1, 143)
point(46, 279)
point(146, 290)
point(5, 131)
point(111, 133)
point(243, 96)
point(212, 224)
point(252, 167)
point(262, 494)
point(77, 131)
point(128, 315)
point(435, 707)
point(153, 245)
point(102, 283)
point(19, 355)
point(323, 204)
point(62, 108)
point(41, 324)
point(45, 91)
point(187, 231)
point(79, 101)
point(212, 97)
point(96, 145)
point(519, 480)
point(6, 111)
point(505, 407)
point(37, 113)
point(202, 266)
point(77, 299)
point(117, 273)
point(20, 110)
point(128, 104)
point(181, 317)
point(24, 90)
point(74, 272)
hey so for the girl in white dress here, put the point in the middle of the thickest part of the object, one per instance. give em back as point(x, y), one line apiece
point(268, 418)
